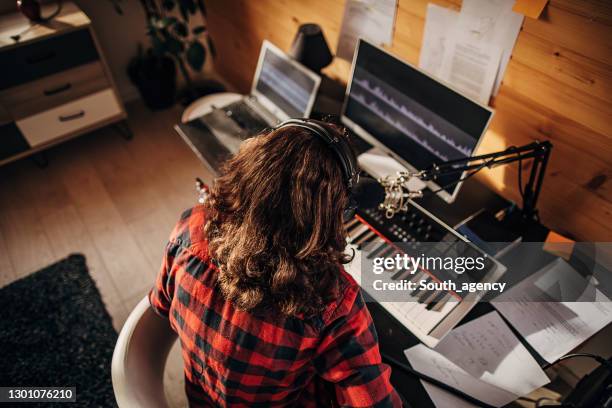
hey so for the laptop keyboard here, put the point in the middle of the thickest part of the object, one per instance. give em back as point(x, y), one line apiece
point(245, 117)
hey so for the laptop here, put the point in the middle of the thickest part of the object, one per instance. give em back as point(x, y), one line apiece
point(282, 88)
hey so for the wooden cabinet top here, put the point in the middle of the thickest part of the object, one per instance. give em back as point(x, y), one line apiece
point(16, 24)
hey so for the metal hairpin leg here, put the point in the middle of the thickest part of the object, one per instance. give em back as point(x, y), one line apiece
point(124, 130)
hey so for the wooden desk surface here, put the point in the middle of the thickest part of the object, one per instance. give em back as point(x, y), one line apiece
point(70, 18)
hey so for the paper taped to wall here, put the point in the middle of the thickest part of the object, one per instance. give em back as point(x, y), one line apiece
point(371, 20)
point(471, 49)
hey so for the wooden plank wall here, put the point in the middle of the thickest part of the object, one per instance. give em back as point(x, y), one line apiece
point(558, 86)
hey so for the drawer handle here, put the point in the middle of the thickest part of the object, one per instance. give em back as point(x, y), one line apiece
point(61, 88)
point(35, 59)
point(66, 118)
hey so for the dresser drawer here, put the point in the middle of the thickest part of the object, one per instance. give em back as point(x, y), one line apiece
point(68, 118)
point(46, 57)
point(54, 90)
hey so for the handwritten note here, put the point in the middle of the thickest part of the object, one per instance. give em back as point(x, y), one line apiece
point(553, 328)
point(481, 358)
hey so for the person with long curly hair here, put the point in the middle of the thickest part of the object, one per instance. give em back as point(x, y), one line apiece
point(253, 283)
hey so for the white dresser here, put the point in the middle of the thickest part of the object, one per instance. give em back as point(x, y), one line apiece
point(54, 83)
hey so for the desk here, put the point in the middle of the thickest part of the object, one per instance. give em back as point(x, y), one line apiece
point(394, 338)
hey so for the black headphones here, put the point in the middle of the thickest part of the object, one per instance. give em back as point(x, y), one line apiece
point(344, 153)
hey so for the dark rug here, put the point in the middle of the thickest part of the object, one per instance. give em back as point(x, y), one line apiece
point(55, 331)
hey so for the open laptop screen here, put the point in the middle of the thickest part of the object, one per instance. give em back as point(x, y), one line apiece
point(285, 83)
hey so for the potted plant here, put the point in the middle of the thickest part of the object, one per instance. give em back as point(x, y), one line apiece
point(174, 42)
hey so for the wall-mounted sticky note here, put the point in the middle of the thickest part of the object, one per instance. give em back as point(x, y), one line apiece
point(529, 8)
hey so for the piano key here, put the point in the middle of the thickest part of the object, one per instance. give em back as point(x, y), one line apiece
point(363, 236)
point(390, 249)
point(352, 223)
point(435, 300)
point(428, 296)
point(418, 289)
point(355, 232)
point(371, 245)
point(364, 241)
point(376, 251)
point(439, 305)
point(401, 274)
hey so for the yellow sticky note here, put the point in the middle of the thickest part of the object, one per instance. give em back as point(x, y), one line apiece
point(529, 8)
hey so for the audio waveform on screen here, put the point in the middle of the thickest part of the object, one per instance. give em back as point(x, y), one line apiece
point(396, 124)
point(378, 92)
point(276, 79)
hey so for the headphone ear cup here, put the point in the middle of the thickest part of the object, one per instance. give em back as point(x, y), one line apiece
point(349, 210)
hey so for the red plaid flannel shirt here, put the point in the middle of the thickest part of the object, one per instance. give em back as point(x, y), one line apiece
point(238, 358)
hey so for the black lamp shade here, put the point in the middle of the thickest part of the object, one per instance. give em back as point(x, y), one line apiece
point(310, 48)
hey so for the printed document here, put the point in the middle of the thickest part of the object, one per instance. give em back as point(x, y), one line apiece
point(371, 20)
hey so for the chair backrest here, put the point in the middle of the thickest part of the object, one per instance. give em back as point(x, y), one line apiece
point(140, 357)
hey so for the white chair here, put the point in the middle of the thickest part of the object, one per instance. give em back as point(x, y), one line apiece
point(140, 358)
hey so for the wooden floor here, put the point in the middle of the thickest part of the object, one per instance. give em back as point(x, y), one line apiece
point(113, 200)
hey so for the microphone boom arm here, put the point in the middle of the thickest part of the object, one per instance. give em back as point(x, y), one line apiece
point(398, 195)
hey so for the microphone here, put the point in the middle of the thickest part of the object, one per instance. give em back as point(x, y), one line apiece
point(390, 194)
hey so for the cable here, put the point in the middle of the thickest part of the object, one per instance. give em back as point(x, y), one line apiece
point(599, 359)
point(462, 179)
point(431, 380)
point(539, 401)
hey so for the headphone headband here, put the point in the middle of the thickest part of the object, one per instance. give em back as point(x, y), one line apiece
point(339, 145)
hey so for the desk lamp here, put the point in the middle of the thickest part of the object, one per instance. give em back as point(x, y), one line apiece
point(310, 48)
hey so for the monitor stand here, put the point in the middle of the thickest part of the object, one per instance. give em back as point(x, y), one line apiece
point(379, 164)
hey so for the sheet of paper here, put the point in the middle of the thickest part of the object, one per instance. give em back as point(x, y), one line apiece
point(439, 22)
point(470, 49)
point(481, 358)
point(371, 20)
point(471, 67)
point(553, 329)
point(505, 25)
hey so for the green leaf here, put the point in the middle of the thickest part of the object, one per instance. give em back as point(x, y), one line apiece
point(167, 22)
point(181, 29)
point(168, 4)
point(198, 30)
point(196, 55)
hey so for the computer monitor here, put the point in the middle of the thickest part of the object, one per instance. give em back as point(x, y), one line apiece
point(415, 118)
point(284, 86)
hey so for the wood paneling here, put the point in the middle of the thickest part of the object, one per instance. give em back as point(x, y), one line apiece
point(558, 86)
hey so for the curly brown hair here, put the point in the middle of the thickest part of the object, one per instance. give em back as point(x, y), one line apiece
point(274, 223)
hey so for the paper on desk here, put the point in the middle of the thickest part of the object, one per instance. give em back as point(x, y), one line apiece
point(470, 49)
point(553, 329)
point(481, 358)
point(371, 20)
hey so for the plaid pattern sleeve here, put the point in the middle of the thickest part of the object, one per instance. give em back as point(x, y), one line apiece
point(160, 295)
point(237, 358)
point(348, 357)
